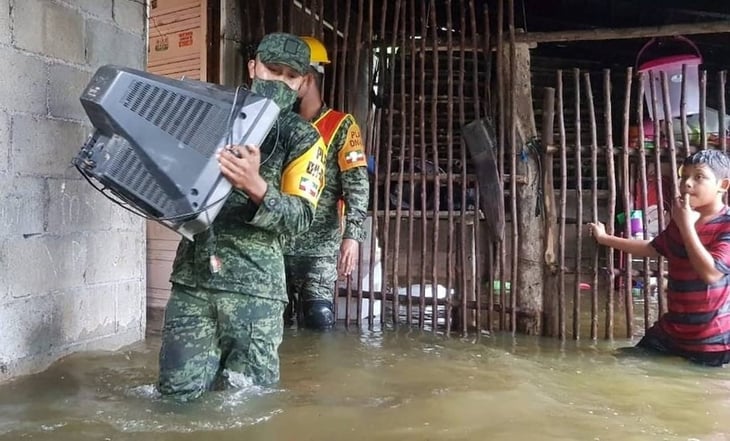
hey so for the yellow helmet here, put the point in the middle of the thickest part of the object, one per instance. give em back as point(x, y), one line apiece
point(317, 51)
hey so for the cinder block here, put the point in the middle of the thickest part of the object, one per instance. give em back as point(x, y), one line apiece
point(4, 140)
point(74, 207)
point(131, 304)
point(84, 314)
point(130, 15)
point(108, 44)
point(22, 82)
point(100, 8)
point(5, 32)
point(28, 327)
point(65, 86)
point(50, 29)
point(40, 265)
point(44, 147)
point(23, 207)
point(114, 256)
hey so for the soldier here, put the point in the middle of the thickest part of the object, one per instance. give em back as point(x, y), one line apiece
point(330, 247)
point(228, 292)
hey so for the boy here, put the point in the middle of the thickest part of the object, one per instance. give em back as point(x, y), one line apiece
point(696, 244)
point(229, 292)
point(315, 258)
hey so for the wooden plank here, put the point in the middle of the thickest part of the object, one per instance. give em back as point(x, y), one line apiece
point(714, 27)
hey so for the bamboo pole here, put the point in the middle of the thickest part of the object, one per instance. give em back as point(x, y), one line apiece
point(382, 55)
point(563, 193)
point(594, 202)
point(722, 123)
point(611, 171)
point(450, 253)
point(659, 190)
point(411, 165)
point(550, 218)
point(336, 46)
point(627, 204)
point(644, 191)
point(357, 44)
point(683, 111)
point(670, 133)
point(465, 266)
point(502, 146)
point(479, 264)
point(437, 180)
point(703, 110)
point(513, 164)
point(389, 161)
point(280, 16)
point(422, 130)
point(579, 205)
point(343, 58)
point(401, 163)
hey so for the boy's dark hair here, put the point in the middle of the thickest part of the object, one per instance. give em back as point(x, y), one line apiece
point(716, 160)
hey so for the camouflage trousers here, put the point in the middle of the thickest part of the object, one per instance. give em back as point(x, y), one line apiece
point(310, 278)
point(209, 333)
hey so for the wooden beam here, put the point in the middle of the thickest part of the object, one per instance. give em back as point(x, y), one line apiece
point(710, 27)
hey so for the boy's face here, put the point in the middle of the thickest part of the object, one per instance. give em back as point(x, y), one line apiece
point(701, 184)
point(275, 71)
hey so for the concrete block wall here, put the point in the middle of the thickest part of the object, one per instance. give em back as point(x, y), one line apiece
point(72, 264)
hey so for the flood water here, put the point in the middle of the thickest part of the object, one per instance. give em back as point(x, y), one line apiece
point(393, 385)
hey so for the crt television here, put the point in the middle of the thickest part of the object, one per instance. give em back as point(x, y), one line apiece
point(155, 142)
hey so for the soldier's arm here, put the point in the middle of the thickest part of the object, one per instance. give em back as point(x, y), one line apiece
point(289, 210)
point(354, 179)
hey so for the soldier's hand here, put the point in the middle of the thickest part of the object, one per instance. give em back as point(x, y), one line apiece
point(349, 250)
point(240, 165)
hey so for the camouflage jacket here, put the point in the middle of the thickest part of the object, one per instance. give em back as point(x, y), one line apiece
point(246, 238)
point(346, 179)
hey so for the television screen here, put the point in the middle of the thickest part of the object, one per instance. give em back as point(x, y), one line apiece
point(155, 142)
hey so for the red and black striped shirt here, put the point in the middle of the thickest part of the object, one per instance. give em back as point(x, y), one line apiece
point(698, 317)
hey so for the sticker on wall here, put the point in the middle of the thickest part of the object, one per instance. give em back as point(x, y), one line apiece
point(162, 44)
point(185, 39)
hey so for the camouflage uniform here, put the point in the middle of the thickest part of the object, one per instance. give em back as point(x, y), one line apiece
point(311, 257)
point(227, 316)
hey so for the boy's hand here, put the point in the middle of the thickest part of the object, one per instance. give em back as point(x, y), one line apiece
point(598, 231)
point(683, 215)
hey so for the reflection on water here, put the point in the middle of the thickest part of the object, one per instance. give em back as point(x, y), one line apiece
point(368, 385)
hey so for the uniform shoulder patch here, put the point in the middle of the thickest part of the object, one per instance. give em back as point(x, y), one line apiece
point(304, 177)
point(352, 153)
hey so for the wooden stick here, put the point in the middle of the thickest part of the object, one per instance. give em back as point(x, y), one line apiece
point(703, 110)
point(644, 191)
point(513, 163)
point(479, 265)
point(578, 206)
point(594, 205)
point(714, 27)
point(611, 171)
point(437, 181)
point(422, 131)
point(627, 202)
point(683, 112)
point(659, 191)
point(401, 163)
point(722, 123)
point(450, 253)
point(502, 146)
point(467, 245)
point(411, 110)
point(563, 193)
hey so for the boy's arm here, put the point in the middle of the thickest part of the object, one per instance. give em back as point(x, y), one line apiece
point(703, 262)
point(635, 247)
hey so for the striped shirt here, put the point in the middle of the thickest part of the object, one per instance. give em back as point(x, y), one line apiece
point(698, 317)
